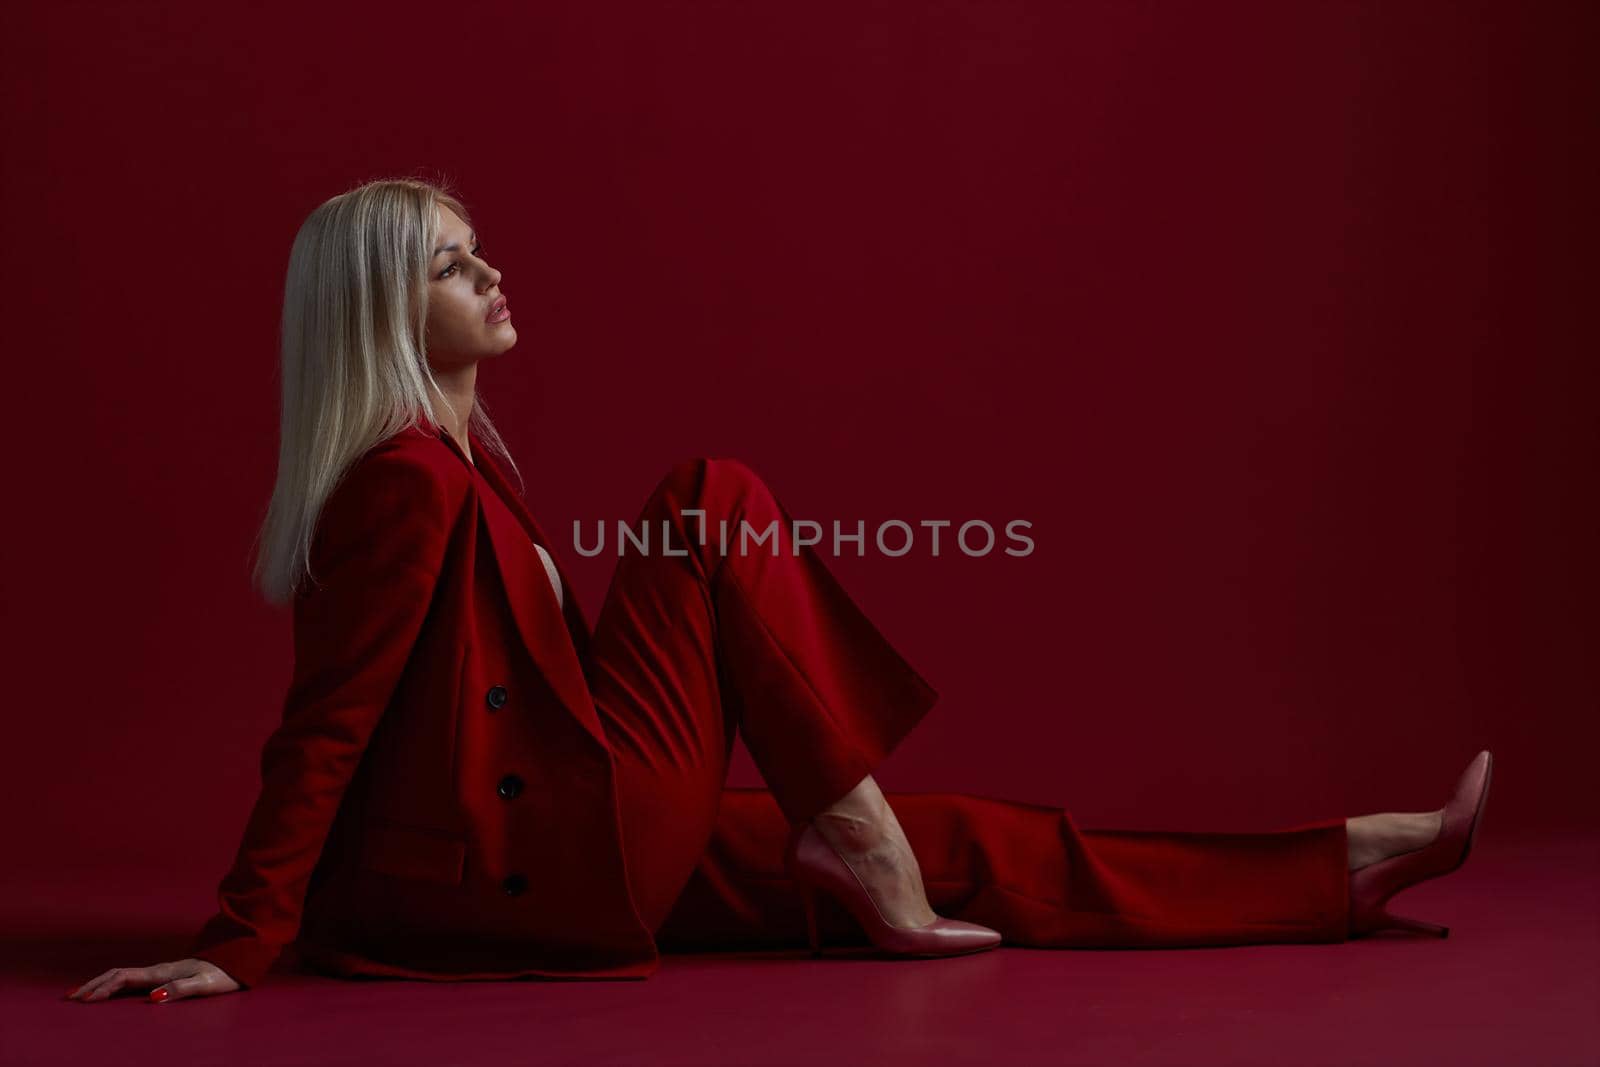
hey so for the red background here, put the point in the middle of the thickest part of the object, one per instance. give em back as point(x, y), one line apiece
point(1266, 316)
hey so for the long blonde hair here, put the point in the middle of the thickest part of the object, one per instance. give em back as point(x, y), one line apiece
point(354, 357)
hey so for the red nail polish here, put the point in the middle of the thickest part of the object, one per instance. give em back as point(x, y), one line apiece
point(158, 995)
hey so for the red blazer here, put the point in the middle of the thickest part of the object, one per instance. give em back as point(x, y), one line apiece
point(438, 801)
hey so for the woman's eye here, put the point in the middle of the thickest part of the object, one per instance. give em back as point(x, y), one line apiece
point(476, 249)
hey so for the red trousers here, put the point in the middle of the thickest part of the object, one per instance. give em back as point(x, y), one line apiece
point(704, 636)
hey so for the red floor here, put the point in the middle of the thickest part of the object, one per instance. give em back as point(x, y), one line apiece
point(1518, 982)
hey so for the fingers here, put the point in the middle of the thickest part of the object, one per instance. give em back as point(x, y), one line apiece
point(179, 988)
point(166, 982)
point(118, 978)
point(109, 983)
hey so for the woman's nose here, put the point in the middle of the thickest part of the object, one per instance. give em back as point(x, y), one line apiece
point(491, 278)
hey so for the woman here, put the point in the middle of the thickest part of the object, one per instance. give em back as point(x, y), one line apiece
point(469, 783)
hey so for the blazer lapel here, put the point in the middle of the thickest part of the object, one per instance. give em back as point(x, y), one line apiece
point(571, 613)
point(556, 636)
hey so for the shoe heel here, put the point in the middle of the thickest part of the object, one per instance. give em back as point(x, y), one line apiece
point(808, 900)
point(1416, 926)
point(1372, 919)
point(814, 866)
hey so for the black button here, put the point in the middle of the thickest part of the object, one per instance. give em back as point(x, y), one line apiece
point(510, 786)
point(514, 884)
point(496, 697)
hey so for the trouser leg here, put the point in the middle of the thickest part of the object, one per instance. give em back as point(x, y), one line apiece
point(1029, 872)
point(708, 635)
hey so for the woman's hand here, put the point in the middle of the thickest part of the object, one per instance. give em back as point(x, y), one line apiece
point(166, 981)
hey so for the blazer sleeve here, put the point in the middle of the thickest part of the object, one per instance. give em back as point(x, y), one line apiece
point(375, 560)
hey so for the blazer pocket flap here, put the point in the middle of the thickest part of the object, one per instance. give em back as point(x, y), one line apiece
point(416, 852)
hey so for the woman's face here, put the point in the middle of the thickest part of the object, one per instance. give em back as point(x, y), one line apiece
point(468, 318)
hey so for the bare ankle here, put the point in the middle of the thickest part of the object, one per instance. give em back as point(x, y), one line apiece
point(859, 820)
point(851, 832)
point(1377, 837)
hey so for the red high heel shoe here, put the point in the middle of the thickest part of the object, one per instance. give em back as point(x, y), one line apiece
point(1372, 886)
point(814, 865)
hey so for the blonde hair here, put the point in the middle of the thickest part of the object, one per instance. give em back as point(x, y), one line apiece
point(354, 357)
